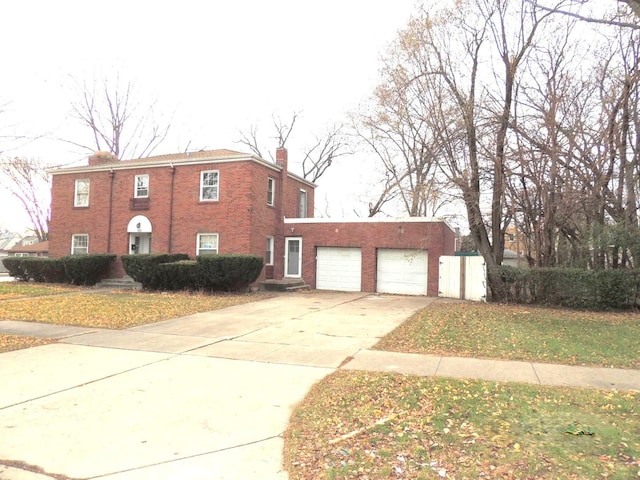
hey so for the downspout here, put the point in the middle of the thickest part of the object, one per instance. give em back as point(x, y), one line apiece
point(173, 178)
point(112, 174)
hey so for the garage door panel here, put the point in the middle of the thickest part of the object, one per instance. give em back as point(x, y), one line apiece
point(402, 271)
point(339, 268)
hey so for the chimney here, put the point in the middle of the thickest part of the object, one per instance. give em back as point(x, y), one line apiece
point(100, 157)
point(282, 158)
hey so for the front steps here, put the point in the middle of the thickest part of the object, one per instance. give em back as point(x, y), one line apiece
point(124, 283)
point(284, 285)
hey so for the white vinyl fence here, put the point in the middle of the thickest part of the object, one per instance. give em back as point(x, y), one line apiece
point(463, 277)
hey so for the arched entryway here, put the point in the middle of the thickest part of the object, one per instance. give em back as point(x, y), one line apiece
point(139, 230)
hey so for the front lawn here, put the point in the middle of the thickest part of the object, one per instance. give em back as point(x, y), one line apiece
point(14, 290)
point(16, 342)
point(372, 425)
point(516, 332)
point(116, 309)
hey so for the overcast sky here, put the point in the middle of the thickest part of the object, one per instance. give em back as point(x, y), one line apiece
point(217, 67)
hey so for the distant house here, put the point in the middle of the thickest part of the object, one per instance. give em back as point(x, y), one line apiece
point(31, 249)
point(7, 241)
point(224, 201)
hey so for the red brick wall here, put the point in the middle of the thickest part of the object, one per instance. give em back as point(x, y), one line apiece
point(241, 216)
point(435, 237)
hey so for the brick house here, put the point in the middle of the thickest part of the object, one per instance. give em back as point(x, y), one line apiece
point(223, 201)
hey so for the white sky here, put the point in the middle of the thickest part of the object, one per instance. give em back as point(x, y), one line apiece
point(220, 66)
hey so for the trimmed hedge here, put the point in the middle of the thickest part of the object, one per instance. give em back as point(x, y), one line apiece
point(229, 272)
point(75, 269)
point(572, 287)
point(182, 275)
point(208, 272)
point(86, 269)
point(16, 268)
point(43, 269)
point(143, 268)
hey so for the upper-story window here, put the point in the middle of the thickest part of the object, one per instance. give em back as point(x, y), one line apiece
point(271, 191)
point(209, 185)
point(302, 204)
point(81, 195)
point(141, 186)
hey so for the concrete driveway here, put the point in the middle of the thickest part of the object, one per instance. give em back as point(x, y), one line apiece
point(206, 396)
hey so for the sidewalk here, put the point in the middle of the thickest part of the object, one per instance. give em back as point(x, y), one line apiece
point(496, 370)
point(422, 365)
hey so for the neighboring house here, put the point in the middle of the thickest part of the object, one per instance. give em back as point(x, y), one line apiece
point(30, 249)
point(7, 241)
point(223, 201)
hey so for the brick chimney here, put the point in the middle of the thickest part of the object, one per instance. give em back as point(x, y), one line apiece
point(100, 158)
point(282, 159)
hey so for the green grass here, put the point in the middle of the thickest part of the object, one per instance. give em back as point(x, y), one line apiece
point(517, 332)
point(461, 429)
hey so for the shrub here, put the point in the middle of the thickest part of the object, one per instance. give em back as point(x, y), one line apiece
point(572, 287)
point(143, 268)
point(182, 275)
point(228, 272)
point(16, 268)
point(43, 269)
point(85, 269)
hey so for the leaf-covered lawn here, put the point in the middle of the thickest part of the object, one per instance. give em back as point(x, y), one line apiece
point(474, 329)
point(13, 290)
point(372, 425)
point(117, 309)
point(16, 342)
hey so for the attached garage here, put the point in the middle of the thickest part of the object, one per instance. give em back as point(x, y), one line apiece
point(339, 268)
point(401, 271)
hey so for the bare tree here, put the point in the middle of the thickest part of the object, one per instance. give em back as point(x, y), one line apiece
point(321, 155)
point(282, 131)
point(250, 139)
point(616, 18)
point(316, 158)
point(119, 121)
point(27, 180)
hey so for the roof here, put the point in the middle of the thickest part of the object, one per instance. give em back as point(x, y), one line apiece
point(186, 158)
point(8, 240)
point(199, 155)
point(40, 247)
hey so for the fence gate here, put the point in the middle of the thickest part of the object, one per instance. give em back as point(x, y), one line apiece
point(462, 277)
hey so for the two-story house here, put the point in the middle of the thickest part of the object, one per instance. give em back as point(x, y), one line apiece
point(223, 201)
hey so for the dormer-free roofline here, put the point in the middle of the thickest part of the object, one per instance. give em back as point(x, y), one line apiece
point(171, 160)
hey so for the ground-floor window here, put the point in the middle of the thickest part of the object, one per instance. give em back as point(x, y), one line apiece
point(207, 244)
point(80, 244)
point(269, 253)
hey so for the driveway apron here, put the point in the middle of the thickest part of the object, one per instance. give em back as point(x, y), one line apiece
point(206, 396)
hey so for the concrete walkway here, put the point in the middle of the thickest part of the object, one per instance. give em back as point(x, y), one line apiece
point(208, 396)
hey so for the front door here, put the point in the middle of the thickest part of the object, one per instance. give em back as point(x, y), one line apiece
point(139, 243)
point(293, 257)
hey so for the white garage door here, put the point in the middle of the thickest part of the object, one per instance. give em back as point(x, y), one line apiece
point(402, 271)
point(339, 268)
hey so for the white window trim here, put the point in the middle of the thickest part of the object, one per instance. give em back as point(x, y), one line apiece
point(271, 241)
point(73, 243)
point(271, 192)
point(135, 186)
point(217, 172)
point(75, 192)
point(208, 250)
